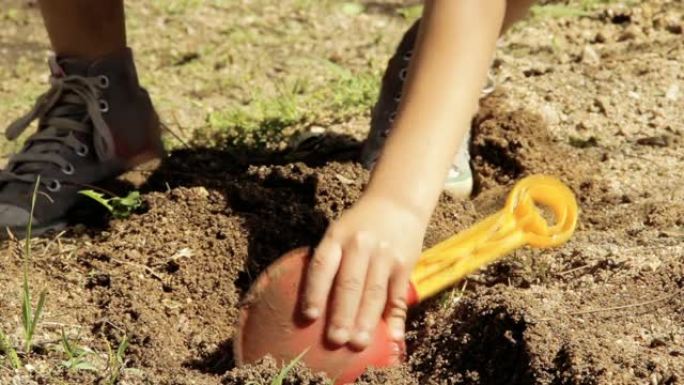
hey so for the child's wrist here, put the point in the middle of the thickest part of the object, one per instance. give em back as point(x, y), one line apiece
point(420, 209)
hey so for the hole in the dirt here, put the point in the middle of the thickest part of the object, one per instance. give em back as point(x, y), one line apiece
point(218, 362)
point(172, 267)
point(498, 155)
point(134, 315)
point(474, 346)
point(621, 18)
point(98, 279)
point(39, 349)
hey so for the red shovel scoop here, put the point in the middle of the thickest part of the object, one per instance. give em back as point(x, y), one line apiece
point(271, 320)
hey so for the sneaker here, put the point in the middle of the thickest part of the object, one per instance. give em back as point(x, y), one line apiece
point(94, 123)
point(459, 182)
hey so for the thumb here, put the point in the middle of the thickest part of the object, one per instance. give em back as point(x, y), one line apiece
point(397, 305)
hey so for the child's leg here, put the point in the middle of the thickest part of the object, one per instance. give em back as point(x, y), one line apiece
point(85, 28)
point(459, 181)
point(95, 121)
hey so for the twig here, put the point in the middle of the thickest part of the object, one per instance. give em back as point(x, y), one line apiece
point(140, 266)
point(633, 305)
point(174, 134)
point(569, 271)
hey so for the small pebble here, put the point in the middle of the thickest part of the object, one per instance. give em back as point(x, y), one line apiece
point(590, 57)
point(550, 115)
point(672, 93)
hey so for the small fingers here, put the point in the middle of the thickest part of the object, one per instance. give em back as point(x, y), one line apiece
point(349, 285)
point(320, 276)
point(397, 303)
point(374, 297)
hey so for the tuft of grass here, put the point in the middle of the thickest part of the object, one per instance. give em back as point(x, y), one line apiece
point(119, 207)
point(29, 316)
point(76, 356)
point(116, 361)
point(263, 120)
point(8, 350)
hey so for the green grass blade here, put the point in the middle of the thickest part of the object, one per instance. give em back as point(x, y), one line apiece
point(121, 350)
point(36, 315)
point(11, 353)
point(27, 242)
point(68, 349)
point(116, 360)
point(278, 380)
point(85, 365)
point(26, 320)
point(26, 317)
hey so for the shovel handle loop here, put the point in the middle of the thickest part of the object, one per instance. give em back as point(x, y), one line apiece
point(519, 223)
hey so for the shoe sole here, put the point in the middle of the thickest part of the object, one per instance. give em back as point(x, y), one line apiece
point(36, 231)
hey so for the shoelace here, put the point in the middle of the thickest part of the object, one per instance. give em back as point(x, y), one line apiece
point(59, 111)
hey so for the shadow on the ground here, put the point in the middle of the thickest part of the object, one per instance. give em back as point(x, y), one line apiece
point(277, 207)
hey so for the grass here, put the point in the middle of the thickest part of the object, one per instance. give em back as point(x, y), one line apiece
point(284, 372)
point(298, 103)
point(77, 356)
point(29, 317)
point(582, 8)
point(10, 352)
point(116, 361)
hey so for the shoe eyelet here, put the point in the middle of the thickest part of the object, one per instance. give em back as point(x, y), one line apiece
point(104, 81)
point(69, 169)
point(82, 151)
point(392, 117)
point(54, 185)
point(104, 106)
point(402, 74)
point(385, 133)
point(408, 55)
point(397, 97)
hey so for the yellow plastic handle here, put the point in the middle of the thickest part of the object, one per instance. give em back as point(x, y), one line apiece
point(519, 223)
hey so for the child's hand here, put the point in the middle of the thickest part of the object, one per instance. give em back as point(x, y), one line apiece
point(364, 260)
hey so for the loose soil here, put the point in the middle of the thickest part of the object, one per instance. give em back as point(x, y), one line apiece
point(603, 112)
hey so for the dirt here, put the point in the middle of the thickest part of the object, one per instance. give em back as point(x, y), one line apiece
point(607, 308)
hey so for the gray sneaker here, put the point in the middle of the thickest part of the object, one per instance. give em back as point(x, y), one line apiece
point(94, 123)
point(460, 179)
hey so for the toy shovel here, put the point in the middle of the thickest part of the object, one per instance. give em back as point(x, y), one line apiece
point(271, 321)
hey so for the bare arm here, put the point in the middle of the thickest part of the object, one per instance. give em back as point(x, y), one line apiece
point(453, 54)
point(366, 256)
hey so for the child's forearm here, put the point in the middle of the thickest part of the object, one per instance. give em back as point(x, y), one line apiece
point(452, 56)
